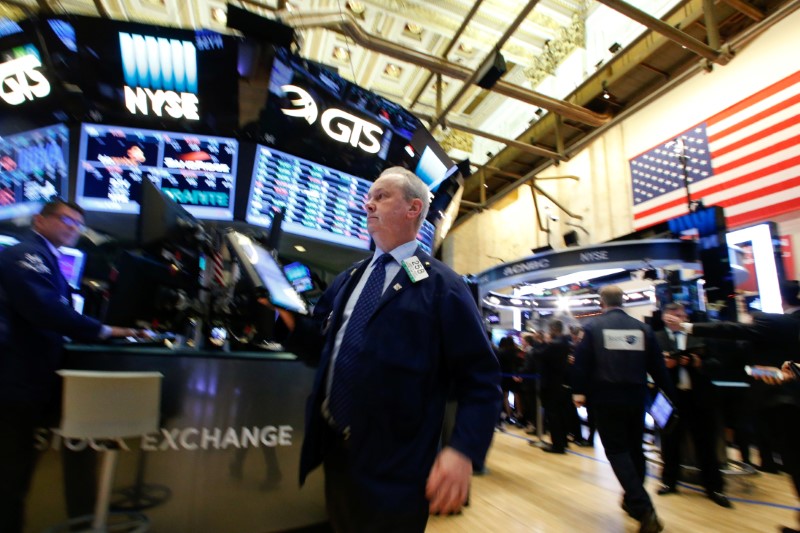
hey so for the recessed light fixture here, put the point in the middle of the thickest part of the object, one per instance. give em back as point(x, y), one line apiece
point(299, 248)
point(356, 7)
point(392, 70)
point(219, 15)
point(341, 53)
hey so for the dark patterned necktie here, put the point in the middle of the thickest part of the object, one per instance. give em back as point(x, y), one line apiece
point(340, 401)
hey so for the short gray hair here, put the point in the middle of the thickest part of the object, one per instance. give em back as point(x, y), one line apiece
point(413, 187)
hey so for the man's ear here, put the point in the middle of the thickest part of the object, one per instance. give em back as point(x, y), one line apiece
point(415, 208)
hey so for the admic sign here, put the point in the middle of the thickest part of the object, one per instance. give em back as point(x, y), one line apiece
point(160, 76)
point(337, 124)
point(20, 77)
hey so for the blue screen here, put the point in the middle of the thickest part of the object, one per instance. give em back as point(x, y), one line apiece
point(33, 168)
point(197, 171)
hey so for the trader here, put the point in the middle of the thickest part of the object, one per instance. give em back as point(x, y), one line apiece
point(777, 338)
point(35, 315)
point(611, 366)
point(396, 336)
point(687, 360)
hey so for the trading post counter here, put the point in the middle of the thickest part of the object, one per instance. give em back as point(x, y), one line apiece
point(225, 459)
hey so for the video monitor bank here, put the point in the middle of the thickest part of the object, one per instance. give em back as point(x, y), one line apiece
point(33, 168)
point(197, 171)
point(318, 202)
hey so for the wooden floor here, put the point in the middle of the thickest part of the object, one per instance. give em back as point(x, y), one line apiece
point(528, 490)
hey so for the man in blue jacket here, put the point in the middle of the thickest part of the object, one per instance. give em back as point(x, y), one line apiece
point(396, 336)
point(35, 314)
point(611, 366)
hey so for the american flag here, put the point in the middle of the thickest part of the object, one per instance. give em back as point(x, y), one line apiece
point(745, 159)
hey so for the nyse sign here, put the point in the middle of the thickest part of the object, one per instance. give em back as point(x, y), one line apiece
point(336, 123)
point(21, 80)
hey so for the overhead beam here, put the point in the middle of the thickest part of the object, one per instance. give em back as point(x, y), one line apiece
point(747, 9)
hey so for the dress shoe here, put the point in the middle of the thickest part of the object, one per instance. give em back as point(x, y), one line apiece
point(650, 523)
point(667, 489)
point(583, 443)
point(720, 499)
point(626, 508)
point(551, 449)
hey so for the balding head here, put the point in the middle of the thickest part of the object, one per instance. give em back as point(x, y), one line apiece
point(611, 296)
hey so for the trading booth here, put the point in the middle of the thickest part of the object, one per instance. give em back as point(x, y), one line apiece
point(193, 213)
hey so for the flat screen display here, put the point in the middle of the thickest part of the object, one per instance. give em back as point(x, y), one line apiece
point(197, 171)
point(318, 202)
point(71, 263)
point(426, 235)
point(265, 272)
point(33, 169)
point(299, 275)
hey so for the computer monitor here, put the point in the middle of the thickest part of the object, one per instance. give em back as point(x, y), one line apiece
point(317, 201)
point(197, 171)
point(163, 221)
point(264, 273)
point(426, 235)
point(300, 276)
point(71, 262)
point(33, 169)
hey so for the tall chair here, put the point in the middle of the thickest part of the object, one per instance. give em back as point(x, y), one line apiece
point(105, 406)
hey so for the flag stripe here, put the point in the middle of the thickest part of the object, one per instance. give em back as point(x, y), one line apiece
point(745, 159)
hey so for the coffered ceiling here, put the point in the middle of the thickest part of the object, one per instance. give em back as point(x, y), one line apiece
point(573, 67)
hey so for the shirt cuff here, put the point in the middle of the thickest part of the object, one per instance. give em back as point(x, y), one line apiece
point(687, 327)
point(105, 332)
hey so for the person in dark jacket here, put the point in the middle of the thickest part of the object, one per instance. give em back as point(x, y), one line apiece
point(553, 366)
point(611, 366)
point(686, 360)
point(776, 339)
point(422, 344)
point(35, 314)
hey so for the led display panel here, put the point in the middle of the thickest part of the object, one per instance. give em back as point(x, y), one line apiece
point(426, 235)
point(318, 202)
point(33, 169)
point(197, 171)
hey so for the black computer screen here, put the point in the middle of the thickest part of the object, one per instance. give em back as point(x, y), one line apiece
point(197, 171)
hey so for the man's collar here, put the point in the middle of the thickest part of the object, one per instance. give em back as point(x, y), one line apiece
point(56, 252)
point(400, 253)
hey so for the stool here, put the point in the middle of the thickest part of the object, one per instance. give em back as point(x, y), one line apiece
point(104, 406)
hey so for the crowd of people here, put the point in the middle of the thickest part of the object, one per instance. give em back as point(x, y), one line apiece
point(614, 365)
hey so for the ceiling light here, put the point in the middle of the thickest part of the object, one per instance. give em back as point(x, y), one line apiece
point(341, 53)
point(356, 7)
point(465, 48)
point(392, 70)
point(299, 248)
point(413, 28)
point(219, 15)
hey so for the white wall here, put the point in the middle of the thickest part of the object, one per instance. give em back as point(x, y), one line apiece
point(603, 195)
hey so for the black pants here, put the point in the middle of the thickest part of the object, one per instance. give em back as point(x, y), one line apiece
point(351, 510)
point(556, 410)
point(17, 460)
point(698, 420)
point(621, 429)
point(784, 422)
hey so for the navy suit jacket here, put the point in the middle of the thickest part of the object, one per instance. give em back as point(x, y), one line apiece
point(425, 344)
point(36, 312)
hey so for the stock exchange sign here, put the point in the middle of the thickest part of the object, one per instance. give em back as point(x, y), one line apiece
point(160, 76)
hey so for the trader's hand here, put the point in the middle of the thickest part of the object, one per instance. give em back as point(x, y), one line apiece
point(669, 361)
point(786, 368)
point(286, 316)
point(447, 488)
point(671, 320)
point(117, 331)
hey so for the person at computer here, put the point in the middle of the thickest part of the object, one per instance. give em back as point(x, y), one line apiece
point(35, 314)
point(396, 335)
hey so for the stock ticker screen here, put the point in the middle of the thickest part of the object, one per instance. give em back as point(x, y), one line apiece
point(197, 171)
point(318, 202)
point(33, 169)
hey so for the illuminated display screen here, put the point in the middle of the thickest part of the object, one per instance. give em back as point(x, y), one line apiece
point(426, 235)
point(33, 168)
point(318, 202)
point(197, 171)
